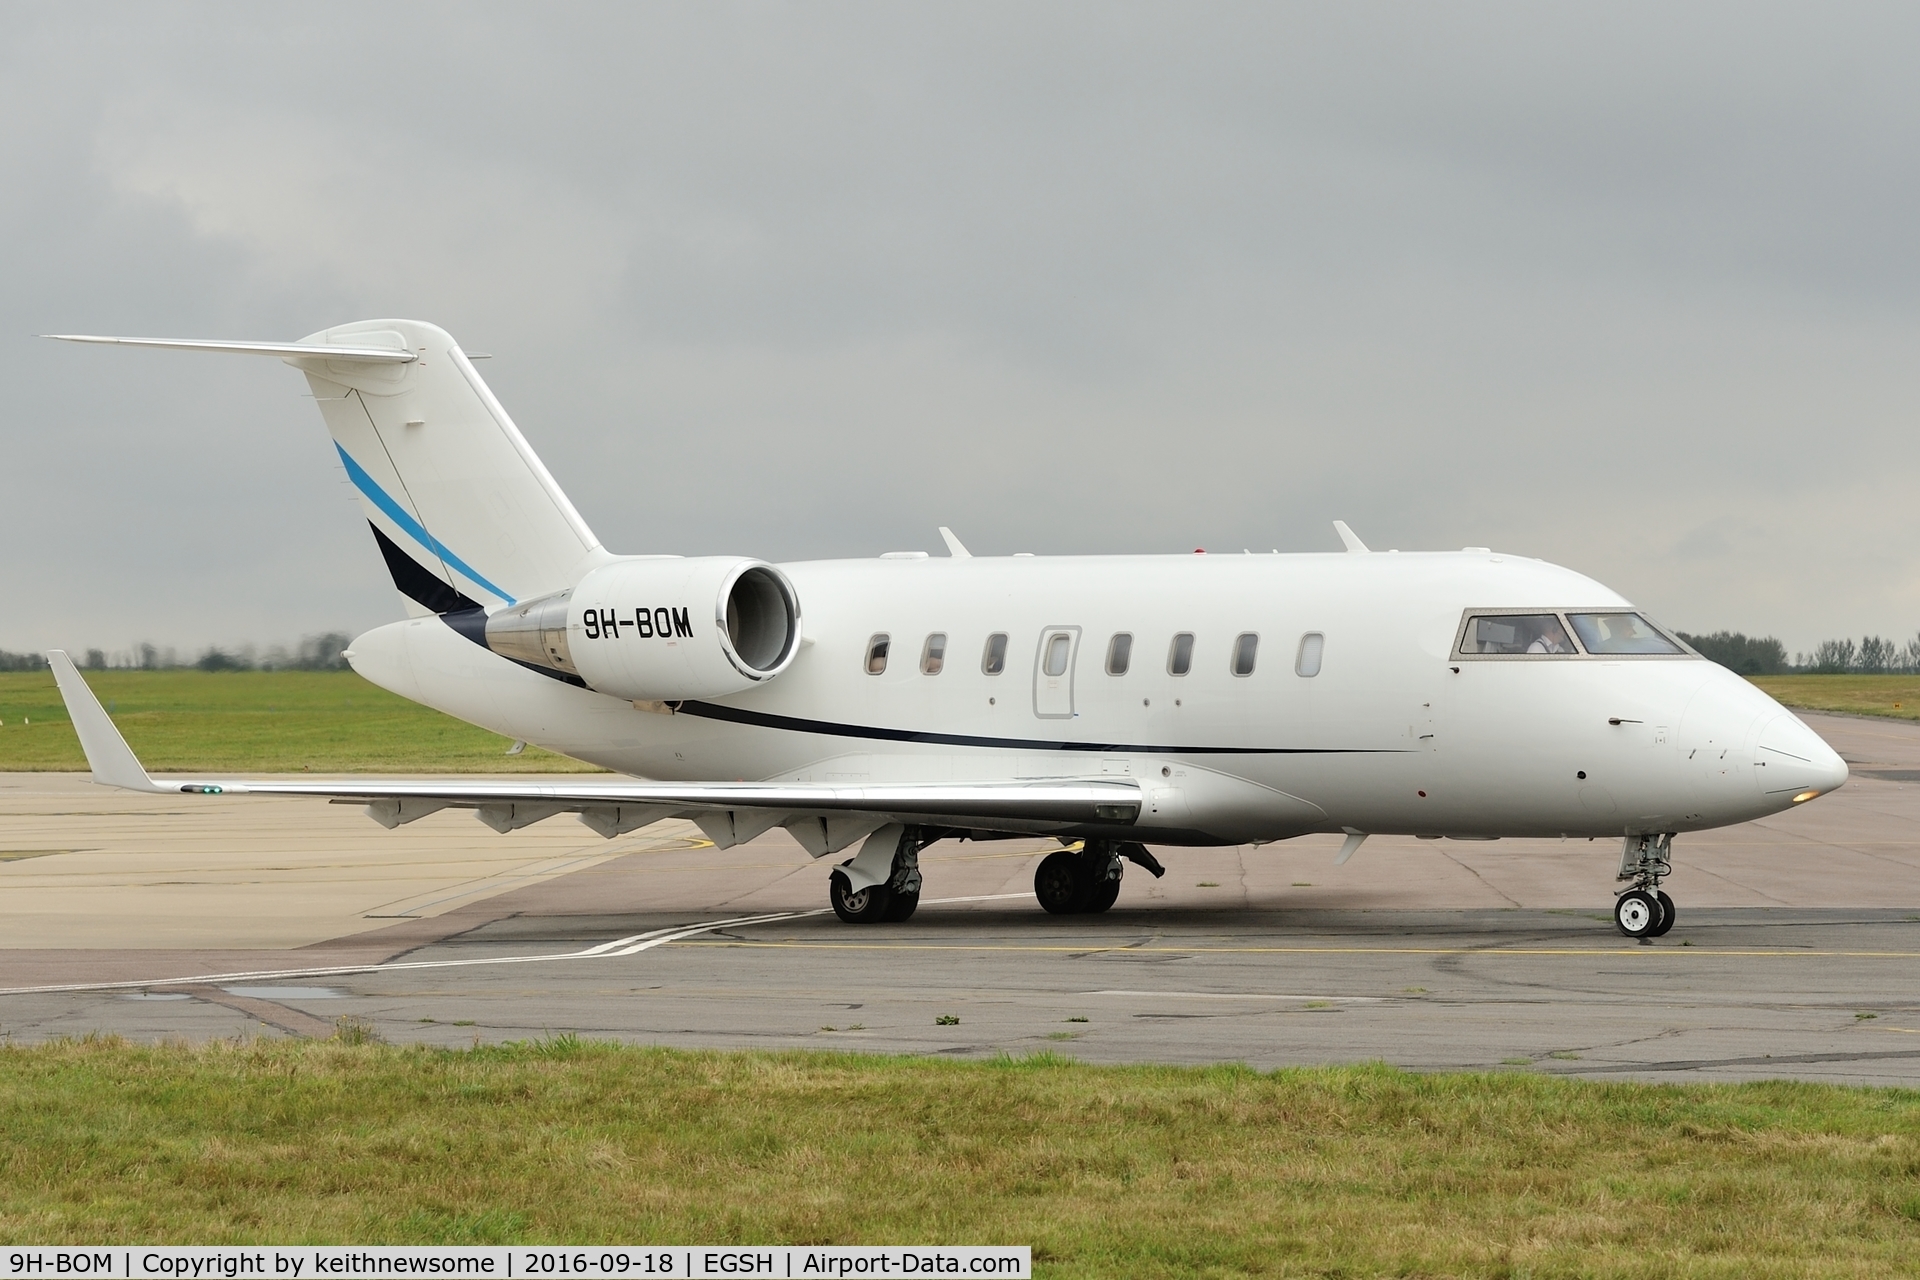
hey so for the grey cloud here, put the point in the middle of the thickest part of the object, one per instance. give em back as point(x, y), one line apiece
point(1626, 286)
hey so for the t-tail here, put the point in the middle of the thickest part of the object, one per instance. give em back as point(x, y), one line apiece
point(474, 529)
point(464, 512)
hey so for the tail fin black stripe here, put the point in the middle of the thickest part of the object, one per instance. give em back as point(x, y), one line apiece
point(417, 582)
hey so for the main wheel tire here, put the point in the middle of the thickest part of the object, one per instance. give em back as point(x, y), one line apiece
point(868, 906)
point(1104, 895)
point(1061, 883)
point(1637, 913)
point(903, 906)
point(1667, 913)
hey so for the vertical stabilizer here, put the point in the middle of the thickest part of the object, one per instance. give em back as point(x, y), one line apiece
point(463, 510)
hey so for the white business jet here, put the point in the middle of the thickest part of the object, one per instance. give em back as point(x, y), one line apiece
point(1107, 701)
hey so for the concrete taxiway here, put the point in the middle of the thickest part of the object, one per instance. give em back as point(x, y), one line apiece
point(1795, 955)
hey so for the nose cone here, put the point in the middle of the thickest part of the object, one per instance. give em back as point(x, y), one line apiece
point(1795, 763)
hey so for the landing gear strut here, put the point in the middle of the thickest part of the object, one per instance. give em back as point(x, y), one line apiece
point(1086, 881)
point(894, 899)
point(1642, 909)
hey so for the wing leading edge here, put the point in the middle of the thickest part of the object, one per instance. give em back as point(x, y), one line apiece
point(824, 818)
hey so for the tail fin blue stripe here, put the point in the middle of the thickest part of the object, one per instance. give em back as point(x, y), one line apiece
point(413, 528)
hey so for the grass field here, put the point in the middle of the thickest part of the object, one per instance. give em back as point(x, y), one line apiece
point(255, 722)
point(1860, 695)
point(1105, 1171)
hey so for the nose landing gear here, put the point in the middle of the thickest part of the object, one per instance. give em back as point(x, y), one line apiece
point(1643, 910)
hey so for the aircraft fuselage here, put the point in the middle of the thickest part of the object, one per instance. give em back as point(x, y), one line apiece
point(1393, 730)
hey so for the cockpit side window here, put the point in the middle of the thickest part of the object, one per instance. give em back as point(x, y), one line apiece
point(1615, 633)
point(1516, 635)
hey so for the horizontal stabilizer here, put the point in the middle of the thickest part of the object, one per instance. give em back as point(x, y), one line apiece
point(373, 355)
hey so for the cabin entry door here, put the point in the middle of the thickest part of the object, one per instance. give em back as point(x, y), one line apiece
point(1053, 665)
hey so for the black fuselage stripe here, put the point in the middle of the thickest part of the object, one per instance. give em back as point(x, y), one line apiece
point(795, 724)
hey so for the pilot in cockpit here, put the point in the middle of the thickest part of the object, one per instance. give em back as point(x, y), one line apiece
point(1552, 638)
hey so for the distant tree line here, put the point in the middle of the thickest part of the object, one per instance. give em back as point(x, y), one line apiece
point(325, 652)
point(1743, 654)
point(1872, 656)
point(1766, 656)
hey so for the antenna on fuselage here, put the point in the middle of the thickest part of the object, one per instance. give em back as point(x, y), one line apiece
point(954, 548)
point(1350, 538)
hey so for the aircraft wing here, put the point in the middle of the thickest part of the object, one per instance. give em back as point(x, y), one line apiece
point(732, 812)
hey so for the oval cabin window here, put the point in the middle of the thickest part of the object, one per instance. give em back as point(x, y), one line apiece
point(1245, 646)
point(1057, 650)
point(1308, 663)
point(993, 659)
point(877, 654)
point(1119, 653)
point(1180, 654)
point(934, 656)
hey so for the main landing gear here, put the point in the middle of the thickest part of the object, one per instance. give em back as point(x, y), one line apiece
point(886, 901)
point(1086, 881)
point(881, 884)
point(1643, 910)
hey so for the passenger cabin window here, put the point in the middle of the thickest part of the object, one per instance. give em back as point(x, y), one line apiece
point(934, 656)
point(1057, 650)
point(1119, 653)
point(1180, 654)
point(877, 654)
point(1516, 634)
point(993, 659)
point(1244, 647)
point(1611, 633)
point(1308, 662)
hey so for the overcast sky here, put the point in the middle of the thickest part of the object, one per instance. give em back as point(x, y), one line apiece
point(1634, 288)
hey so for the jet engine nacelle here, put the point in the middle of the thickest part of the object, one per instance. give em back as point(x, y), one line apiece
point(660, 629)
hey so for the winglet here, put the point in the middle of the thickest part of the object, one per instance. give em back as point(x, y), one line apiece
point(1349, 537)
point(108, 754)
point(954, 548)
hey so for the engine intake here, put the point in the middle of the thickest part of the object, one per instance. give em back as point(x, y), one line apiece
point(660, 629)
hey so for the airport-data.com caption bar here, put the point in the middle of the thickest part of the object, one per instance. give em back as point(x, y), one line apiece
point(505, 1262)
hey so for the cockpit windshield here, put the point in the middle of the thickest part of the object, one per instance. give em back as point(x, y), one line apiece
point(1610, 633)
point(1516, 634)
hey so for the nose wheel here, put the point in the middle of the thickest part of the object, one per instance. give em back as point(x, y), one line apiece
point(1643, 910)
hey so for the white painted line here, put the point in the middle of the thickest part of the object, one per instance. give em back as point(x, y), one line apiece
point(1242, 995)
point(633, 944)
point(645, 941)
